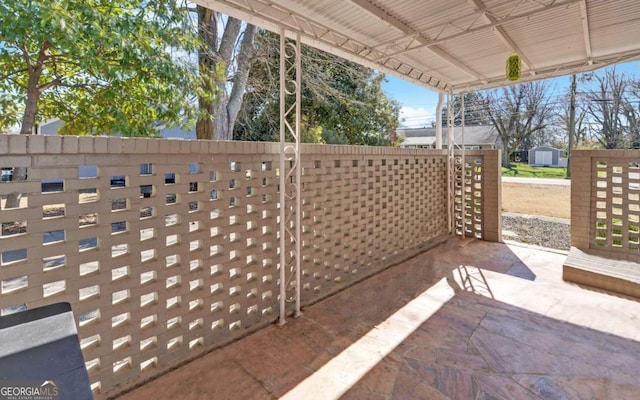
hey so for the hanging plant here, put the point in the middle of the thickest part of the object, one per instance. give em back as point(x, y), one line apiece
point(513, 67)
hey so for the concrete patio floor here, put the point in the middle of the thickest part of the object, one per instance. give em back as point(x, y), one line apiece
point(465, 320)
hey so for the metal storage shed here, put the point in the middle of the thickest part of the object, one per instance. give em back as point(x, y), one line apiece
point(546, 156)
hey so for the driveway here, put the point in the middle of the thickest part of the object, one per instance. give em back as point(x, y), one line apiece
point(537, 181)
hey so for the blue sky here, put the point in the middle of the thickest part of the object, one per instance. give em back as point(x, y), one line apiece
point(419, 104)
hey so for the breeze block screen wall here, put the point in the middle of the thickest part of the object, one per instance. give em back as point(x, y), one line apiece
point(167, 249)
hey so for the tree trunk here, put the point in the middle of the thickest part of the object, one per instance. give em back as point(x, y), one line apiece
point(28, 120)
point(225, 56)
point(208, 32)
point(506, 162)
point(245, 61)
point(221, 109)
point(204, 125)
point(221, 123)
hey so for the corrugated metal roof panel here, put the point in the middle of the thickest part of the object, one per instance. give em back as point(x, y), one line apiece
point(616, 28)
point(456, 45)
point(480, 50)
point(550, 37)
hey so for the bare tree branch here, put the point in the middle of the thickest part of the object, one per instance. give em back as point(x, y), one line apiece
point(517, 113)
point(10, 75)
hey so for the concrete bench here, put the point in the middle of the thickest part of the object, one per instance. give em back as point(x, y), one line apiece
point(39, 348)
point(599, 272)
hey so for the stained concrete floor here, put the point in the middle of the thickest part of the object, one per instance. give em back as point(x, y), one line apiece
point(466, 320)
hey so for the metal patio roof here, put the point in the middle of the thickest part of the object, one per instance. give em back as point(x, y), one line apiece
point(457, 45)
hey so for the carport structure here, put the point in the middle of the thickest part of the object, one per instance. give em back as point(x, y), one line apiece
point(452, 47)
point(458, 45)
point(159, 273)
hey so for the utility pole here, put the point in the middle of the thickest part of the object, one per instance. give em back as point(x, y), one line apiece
point(572, 122)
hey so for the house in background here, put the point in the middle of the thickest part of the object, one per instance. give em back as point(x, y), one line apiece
point(475, 137)
point(51, 128)
point(547, 156)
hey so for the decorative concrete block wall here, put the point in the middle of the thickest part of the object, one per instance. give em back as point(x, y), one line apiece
point(167, 249)
point(478, 195)
point(366, 209)
point(605, 221)
point(605, 203)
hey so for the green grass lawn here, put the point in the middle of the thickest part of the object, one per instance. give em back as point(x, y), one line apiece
point(525, 171)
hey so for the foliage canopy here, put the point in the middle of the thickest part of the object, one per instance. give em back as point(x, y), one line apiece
point(101, 66)
point(342, 102)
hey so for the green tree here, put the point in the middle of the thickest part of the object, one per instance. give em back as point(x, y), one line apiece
point(225, 57)
point(102, 67)
point(341, 100)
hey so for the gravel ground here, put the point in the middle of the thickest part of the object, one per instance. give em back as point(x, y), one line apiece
point(539, 231)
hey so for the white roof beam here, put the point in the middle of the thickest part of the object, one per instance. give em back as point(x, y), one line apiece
point(472, 30)
point(501, 33)
point(316, 21)
point(386, 17)
point(556, 70)
point(585, 29)
point(273, 17)
point(407, 30)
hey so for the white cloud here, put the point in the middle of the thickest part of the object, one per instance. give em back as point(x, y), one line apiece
point(416, 117)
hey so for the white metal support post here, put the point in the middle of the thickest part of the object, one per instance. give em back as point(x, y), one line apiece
point(439, 121)
point(463, 170)
point(290, 173)
point(450, 166)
